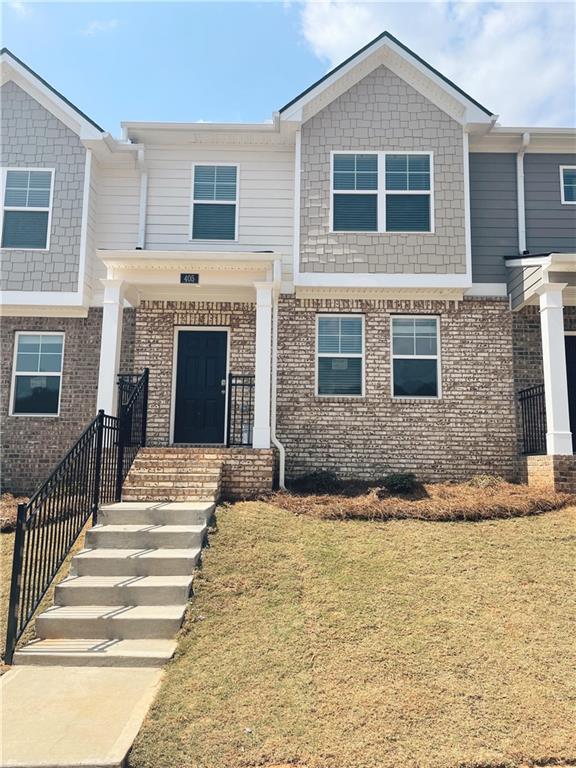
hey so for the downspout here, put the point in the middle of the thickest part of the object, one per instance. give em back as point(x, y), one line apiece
point(141, 244)
point(273, 436)
point(520, 193)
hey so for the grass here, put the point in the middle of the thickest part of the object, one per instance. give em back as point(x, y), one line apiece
point(483, 498)
point(324, 644)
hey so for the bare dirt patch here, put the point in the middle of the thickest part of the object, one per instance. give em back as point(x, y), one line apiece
point(8, 510)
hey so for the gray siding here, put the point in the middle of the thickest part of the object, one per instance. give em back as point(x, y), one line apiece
point(550, 226)
point(382, 112)
point(493, 214)
point(33, 138)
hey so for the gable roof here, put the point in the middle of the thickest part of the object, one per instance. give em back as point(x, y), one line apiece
point(66, 103)
point(375, 44)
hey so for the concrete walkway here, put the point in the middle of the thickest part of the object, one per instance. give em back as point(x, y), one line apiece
point(72, 717)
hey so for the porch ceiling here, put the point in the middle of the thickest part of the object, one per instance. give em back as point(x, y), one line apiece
point(222, 276)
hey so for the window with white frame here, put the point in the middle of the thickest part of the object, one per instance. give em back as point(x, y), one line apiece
point(37, 374)
point(568, 184)
point(27, 207)
point(382, 192)
point(340, 355)
point(214, 202)
point(415, 357)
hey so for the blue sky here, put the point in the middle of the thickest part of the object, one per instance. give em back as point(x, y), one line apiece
point(240, 61)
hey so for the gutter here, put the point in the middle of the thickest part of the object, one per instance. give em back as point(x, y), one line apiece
point(276, 442)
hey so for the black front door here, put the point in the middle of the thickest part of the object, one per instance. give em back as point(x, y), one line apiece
point(571, 370)
point(200, 387)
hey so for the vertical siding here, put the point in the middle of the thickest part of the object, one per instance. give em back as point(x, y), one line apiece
point(550, 226)
point(493, 214)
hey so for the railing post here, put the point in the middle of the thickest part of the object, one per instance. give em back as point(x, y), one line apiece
point(120, 456)
point(145, 406)
point(98, 466)
point(15, 583)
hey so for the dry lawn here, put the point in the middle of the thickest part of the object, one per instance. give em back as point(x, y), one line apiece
point(329, 644)
point(8, 509)
point(481, 499)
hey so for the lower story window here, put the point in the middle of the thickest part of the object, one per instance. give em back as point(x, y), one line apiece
point(37, 374)
point(340, 355)
point(415, 358)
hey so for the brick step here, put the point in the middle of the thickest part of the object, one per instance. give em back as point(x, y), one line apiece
point(135, 562)
point(112, 622)
point(123, 590)
point(153, 475)
point(183, 453)
point(96, 652)
point(156, 513)
point(146, 536)
point(176, 465)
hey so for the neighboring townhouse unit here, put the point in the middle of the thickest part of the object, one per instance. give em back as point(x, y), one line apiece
point(381, 279)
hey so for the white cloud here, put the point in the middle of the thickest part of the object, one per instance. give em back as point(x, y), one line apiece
point(95, 27)
point(21, 8)
point(516, 58)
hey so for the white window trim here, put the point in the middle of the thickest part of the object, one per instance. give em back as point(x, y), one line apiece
point(381, 191)
point(3, 208)
point(562, 169)
point(361, 355)
point(236, 202)
point(59, 374)
point(437, 357)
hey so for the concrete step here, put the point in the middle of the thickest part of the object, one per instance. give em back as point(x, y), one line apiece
point(146, 536)
point(112, 622)
point(123, 590)
point(135, 562)
point(97, 653)
point(154, 513)
point(168, 494)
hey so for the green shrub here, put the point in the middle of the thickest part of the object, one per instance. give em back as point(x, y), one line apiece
point(400, 482)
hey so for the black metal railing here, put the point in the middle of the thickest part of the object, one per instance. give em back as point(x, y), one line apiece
point(533, 414)
point(126, 384)
point(240, 410)
point(91, 473)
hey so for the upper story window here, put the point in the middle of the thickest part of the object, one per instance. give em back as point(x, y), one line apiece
point(215, 202)
point(382, 192)
point(37, 374)
point(340, 355)
point(27, 208)
point(568, 184)
point(415, 357)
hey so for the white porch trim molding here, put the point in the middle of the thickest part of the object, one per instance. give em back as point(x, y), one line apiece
point(558, 434)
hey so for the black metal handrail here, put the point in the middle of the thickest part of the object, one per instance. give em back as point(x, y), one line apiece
point(126, 384)
point(91, 473)
point(240, 410)
point(533, 414)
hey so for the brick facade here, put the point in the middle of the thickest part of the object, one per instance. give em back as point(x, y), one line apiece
point(471, 429)
point(33, 137)
point(156, 322)
point(32, 445)
point(556, 471)
point(382, 112)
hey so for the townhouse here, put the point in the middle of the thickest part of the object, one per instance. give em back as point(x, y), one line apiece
point(381, 279)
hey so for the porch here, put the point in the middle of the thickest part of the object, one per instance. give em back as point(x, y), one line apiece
point(545, 286)
point(203, 328)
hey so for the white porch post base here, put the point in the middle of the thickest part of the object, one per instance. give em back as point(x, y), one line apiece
point(110, 345)
point(558, 434)
point(262, 378)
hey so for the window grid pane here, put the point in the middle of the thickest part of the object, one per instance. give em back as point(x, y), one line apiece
point(408, 172)
point(340, 335)
point(215, 182)
point(569, 184)
point(356, 172)
point(415, 337)
point(28, 189)
point(42, 353)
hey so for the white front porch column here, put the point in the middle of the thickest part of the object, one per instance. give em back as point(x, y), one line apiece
point(558, 434)
point(261, 433)
point(110, 345)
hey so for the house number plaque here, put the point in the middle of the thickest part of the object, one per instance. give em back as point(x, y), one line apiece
point(190, 278)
